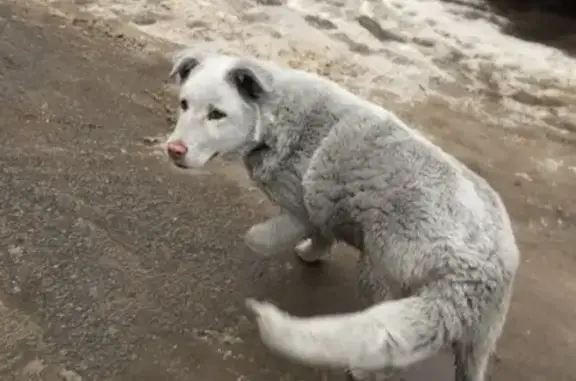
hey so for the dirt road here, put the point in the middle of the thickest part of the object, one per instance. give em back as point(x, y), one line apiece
point(116, 266)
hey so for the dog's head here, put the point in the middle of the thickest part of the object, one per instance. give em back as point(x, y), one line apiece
point(219, 106)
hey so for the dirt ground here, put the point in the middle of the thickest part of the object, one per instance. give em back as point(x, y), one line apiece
point(116, 266)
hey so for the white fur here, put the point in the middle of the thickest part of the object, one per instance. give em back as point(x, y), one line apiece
point(437, 254)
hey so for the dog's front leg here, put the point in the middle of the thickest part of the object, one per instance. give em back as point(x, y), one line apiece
point(314, 249)
point(277, 235)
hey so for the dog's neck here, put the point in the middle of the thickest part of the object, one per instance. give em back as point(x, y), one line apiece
point(255, 144)
point(253, 155)
point(273, 166)
point(279, 146)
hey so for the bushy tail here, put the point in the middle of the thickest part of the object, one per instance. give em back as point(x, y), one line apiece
point(391, 334)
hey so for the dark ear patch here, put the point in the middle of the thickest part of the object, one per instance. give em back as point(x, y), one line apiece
point(183, 67)
point(187, 67)
point(247, 83)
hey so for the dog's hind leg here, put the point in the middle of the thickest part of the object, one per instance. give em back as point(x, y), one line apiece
point(471, 358)
point(371, 291)
point(277, 235)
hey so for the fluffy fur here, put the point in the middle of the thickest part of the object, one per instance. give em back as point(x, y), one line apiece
point(437, 252)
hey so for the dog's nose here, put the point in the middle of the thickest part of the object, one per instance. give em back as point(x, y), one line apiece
point(176, 149)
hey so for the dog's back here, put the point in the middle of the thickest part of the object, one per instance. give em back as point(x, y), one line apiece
point(373, 162)
point(364, 155)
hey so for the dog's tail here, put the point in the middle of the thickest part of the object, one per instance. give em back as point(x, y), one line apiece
point(391, 334)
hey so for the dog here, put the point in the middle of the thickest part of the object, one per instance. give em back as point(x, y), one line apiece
point(437, 253)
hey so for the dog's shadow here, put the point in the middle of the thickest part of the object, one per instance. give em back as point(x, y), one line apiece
point(327, 287)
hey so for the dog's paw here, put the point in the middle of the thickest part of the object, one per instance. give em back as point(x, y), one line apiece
point(259, 240)
point(308, 254)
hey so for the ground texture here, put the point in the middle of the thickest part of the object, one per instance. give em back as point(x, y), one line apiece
point(116, 266)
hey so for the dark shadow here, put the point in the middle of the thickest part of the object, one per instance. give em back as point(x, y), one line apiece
point(549, 22)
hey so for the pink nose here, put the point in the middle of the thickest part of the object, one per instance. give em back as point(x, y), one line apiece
point(176, 149)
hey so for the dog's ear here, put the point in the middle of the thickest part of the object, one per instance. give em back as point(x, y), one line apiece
point(185, 61)
point(252, 80)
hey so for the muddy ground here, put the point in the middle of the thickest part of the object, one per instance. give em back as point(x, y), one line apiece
point(116, 266)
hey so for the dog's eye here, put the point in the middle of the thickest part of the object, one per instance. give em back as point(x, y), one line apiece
point(184, 104)
point(215, 114)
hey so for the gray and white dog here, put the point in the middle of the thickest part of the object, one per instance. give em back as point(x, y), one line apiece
point(438, 256)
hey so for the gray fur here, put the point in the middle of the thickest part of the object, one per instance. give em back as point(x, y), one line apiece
point(437, 252)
